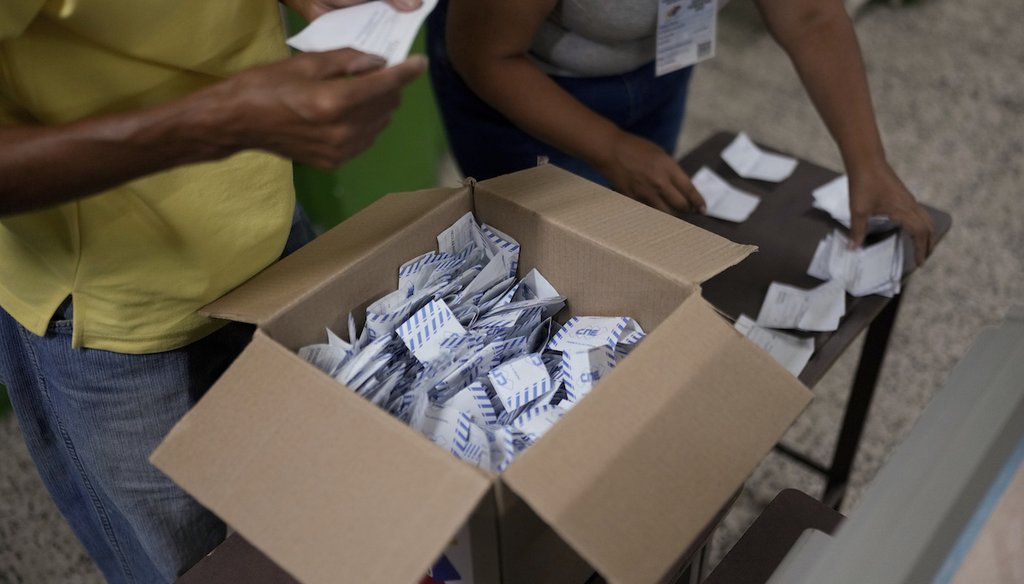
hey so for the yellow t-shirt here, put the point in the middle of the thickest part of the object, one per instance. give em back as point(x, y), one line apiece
point(140, 259)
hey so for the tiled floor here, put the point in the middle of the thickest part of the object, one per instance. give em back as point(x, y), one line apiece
point(946, 78)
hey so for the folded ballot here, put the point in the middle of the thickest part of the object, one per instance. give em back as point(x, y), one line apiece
point(723, 200)
point(818, 309)
point(877, 269)
point(469, 356)
point(750, 161)
point(790, 351)
point(372, 27)
point(833, 198)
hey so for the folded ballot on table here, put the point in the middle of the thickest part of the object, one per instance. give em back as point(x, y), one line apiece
point(790, 351)
point(723, 200)
point(788, 307)
point(875, 269)
point(749, 161)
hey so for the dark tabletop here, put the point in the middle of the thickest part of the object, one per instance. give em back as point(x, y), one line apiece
point(786, 229)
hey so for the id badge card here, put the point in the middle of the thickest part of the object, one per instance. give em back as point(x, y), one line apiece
point(686, 33)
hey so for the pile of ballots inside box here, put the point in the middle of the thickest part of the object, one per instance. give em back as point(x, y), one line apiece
point(468, 355)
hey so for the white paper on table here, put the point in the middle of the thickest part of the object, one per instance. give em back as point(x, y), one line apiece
point(791, 352)
point(749, 161)
point(724, 201)
point(818, 309)
point(833, 198)
point(867, 270)
point(877, 269)
point(372, 27)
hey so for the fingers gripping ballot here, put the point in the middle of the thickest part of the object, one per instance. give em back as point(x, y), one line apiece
point(881, 192)
point(319, 108)
point(643, 171)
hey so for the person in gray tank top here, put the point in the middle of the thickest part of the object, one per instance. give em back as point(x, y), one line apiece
point(572, 82)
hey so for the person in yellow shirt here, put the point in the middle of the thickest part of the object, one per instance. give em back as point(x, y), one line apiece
point(144, 172)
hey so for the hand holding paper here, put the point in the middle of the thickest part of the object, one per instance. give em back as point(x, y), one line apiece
point(880, 192)
point(372, 27)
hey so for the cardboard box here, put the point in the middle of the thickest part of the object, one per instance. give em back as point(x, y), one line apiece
point(335, 490)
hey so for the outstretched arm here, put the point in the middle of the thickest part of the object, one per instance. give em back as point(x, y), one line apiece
point(820, 40)
point(321, 109)
point(488, 41)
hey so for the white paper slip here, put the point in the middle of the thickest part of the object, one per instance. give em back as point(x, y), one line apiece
point(833, 198)
point(582, 370)
point(520, 381)
point(372, 27)
point(582, 333)
point(534, 422)
point(724, 201)
point(877, 269)
point(818, 309)
point(685, 35)
point(791, 352)
point(428, 328)
point(749, 161)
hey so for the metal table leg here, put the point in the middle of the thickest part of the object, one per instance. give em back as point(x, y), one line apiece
point(863, 390)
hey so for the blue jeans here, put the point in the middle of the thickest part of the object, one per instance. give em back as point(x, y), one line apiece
point(91, 418)
point(486, 144)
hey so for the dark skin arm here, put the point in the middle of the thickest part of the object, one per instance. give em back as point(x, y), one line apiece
point(319, 108)
point(819, 38)
point(488, 41)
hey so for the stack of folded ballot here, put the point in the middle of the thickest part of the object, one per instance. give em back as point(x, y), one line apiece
point(468, 355)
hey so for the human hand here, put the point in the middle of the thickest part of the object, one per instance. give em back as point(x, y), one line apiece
point(641, 170)
point(313, 9)
point(880, 192)
point(318, 108)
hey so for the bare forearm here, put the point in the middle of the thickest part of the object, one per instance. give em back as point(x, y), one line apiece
point(47, 165)
point(820, 40)
point(488, 41)
point(320, 108)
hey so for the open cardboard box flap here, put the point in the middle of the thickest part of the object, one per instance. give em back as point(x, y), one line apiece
point(640, 467)
point(660, 241)
point(326, 485)
point(288, 281)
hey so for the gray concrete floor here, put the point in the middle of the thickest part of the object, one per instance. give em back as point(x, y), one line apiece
point(947, 81)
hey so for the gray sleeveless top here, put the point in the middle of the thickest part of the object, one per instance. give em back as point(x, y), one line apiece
point(593, 38)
